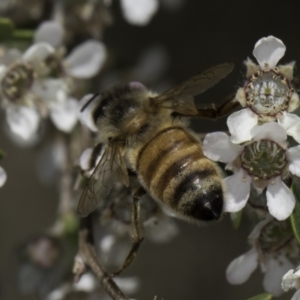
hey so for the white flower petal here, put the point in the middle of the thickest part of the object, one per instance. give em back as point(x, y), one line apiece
point(86, 60)
point(218, 147)
point(255, 233)
point(270, 131)
point(240, 124)
point(294, 160)
point(23, 121)
point(290, 280)
point(58, 293)
point(10, 56)
point(280, 199)
point(161, 229)
point(64, 115)
point(139, 12)
point(51, 91)
point(291, 123)
point(85, 111)
point(269, 51)
point(275, 269)
point(237, 189)
point(296, 296)
point(108, 241)
point(2, 74)
point(50, 32)
point(85, 158)
point(293, 103)
point(38, 53)
point(3, 176)
point(240, 269)
point(87, 283)
point(129, 285)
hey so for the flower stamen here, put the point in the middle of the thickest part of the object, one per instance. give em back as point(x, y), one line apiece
point(17, 81)
point(268, 93)
point(263, 159)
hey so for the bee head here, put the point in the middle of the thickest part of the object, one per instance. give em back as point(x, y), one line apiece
point(120, 110)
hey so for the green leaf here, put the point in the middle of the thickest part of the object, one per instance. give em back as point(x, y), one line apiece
point(6, 28)
point(265, 296)
point(70, 227)
point(9, 32)
point(295, 217)
point(2, 154)
point(23, 34)
point(236, 219)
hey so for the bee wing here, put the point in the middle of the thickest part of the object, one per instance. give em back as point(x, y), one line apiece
point(110, 168)
point(181, 98)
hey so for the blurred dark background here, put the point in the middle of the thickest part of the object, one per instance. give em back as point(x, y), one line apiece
point(196, 36)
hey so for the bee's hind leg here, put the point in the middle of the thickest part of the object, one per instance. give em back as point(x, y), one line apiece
point(137, 233)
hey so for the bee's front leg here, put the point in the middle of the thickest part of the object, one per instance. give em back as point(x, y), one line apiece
point(137, 233)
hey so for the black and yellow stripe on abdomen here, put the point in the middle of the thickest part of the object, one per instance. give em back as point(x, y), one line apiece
point(170, 163)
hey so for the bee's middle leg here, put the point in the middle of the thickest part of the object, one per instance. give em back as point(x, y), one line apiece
point(137, 233)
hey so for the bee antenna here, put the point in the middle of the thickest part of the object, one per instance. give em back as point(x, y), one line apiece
point(89, 101)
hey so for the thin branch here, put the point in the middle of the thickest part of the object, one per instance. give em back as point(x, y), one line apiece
point(66, 188)
point(88, 258)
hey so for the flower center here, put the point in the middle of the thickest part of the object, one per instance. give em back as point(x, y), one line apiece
point(263, 159)
point(54, 65)
point(268, 93)
point(17, 81)
point(275, 236)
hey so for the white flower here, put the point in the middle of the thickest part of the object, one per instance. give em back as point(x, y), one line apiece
point(19, 84)
point(263, 162)
point(139, 12)
point(129, 285)
point(23, 121)
point(87, 283)
point(241, 268)
point(58, 104)
point(268, 94)
point(84, 61)
point(87, 162)
point(85, 110)
point(161, 228)
point(291, 280)
point(3, 176)
point(273, 264)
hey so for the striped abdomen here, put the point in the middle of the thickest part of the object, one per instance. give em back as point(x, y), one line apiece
point(175, 171)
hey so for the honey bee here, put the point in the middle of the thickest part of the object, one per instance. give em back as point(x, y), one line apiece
point(145, 132)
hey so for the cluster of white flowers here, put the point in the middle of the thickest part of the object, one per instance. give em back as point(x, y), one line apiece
point(268, 253)
point(257, 152)
point(44, 82)
point(257, 149)
point(40, 82)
